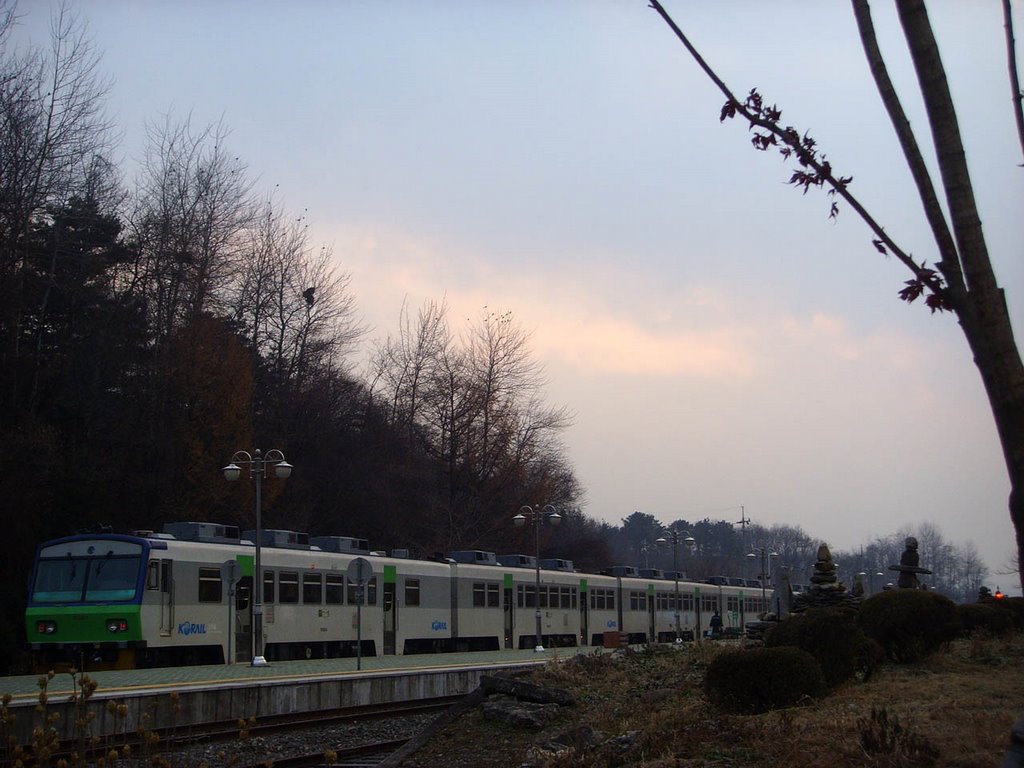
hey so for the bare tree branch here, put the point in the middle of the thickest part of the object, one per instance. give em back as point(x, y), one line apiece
point(767, 119)
point(1011, 60)
point(949, 262)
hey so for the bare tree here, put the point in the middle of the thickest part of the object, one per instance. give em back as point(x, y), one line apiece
point(295, 306)
point(52, 129)
point(476, 407)
point(193, 207)
point(404, 366)
point(963, 281)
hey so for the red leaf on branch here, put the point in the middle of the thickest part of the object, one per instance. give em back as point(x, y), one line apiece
point(912, 292)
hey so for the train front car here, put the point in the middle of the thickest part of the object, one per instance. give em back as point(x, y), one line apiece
point(85, 602)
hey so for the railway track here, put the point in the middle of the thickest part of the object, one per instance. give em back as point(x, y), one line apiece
point(361, 756)
point(280, 740)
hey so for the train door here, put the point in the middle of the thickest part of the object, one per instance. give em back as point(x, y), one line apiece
point(652, 635)
point(243, 619)
point(584, 614)
point(390, 618)
point(509, 607)
point(698, 630)
point(620, 595)
point(166, 597)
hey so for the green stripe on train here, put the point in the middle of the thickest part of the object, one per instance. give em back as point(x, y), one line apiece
point(83, 623)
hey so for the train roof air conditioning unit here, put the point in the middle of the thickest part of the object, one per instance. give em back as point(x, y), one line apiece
point(518, 561)
point(476, 556)
point(210, 533)
point(341, 544)
point(556, 564)
point(280, 539)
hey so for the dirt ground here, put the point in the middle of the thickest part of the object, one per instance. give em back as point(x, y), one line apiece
point(647, 708)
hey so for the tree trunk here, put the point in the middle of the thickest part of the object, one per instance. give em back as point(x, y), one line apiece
point(982, 311)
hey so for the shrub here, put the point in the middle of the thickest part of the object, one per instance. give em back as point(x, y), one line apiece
point(761, 679)
point(909, 623)
point(1013, 606)
point(984, 616)
point(831, 636)
point(887, 741)
point(870, 655)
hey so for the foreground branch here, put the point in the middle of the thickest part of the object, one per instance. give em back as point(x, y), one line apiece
point(803, 148)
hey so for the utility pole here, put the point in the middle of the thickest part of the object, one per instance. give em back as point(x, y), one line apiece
point(743, 522)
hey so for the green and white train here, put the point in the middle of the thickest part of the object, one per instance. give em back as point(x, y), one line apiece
point(185, 596)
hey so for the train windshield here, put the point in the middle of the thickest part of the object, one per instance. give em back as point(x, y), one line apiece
point(87, 571)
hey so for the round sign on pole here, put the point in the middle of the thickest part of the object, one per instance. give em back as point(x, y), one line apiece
point(360, 571)
point(229, 571)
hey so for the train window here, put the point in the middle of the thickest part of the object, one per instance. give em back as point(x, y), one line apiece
point(493, 596)
point(268, 586)
point(370, 596)
point(412, 592)
point(153, 575)
point(210, 585)
point(312, 589)
point(527, 596)
point(602, 599)
point(479, 594)
point(544, 597)
point(288, 587)
point(566, 595)
point(242, 595)
point(353, 587)
point(638, 601)
point(335, 589)
point(687, 601)
point(732, 603)
point(112, 578)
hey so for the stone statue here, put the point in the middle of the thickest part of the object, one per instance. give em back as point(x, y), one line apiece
point(825, 591)
point(908, 567)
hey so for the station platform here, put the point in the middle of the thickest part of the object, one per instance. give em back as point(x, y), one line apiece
point(178, 678)
point(181, 696)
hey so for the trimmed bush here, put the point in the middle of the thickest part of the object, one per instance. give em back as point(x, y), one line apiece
point(909, 623)
point(748, 681)
point(831, 636)
point(1014, 606)
point(870, 656)
point(985, 617)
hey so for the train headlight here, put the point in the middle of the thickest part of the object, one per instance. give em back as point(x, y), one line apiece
point(117, 625)
point(46, 627)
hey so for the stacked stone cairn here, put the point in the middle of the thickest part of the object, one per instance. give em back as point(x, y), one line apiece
point(825, 590)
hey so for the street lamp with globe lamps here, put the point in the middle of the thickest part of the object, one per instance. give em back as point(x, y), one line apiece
point(674, 536)
point(766, 568)
point(538, 516)
point(257, 464)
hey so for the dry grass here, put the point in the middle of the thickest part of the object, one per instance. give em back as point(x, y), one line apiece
point(953, 709)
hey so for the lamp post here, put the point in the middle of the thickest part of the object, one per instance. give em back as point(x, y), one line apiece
point(690, 542)
point(257, 464)
point(538, 516)
point(766, 566)
point(871, 580)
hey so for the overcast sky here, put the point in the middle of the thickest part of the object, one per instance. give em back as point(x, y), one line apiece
point(721, 342)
